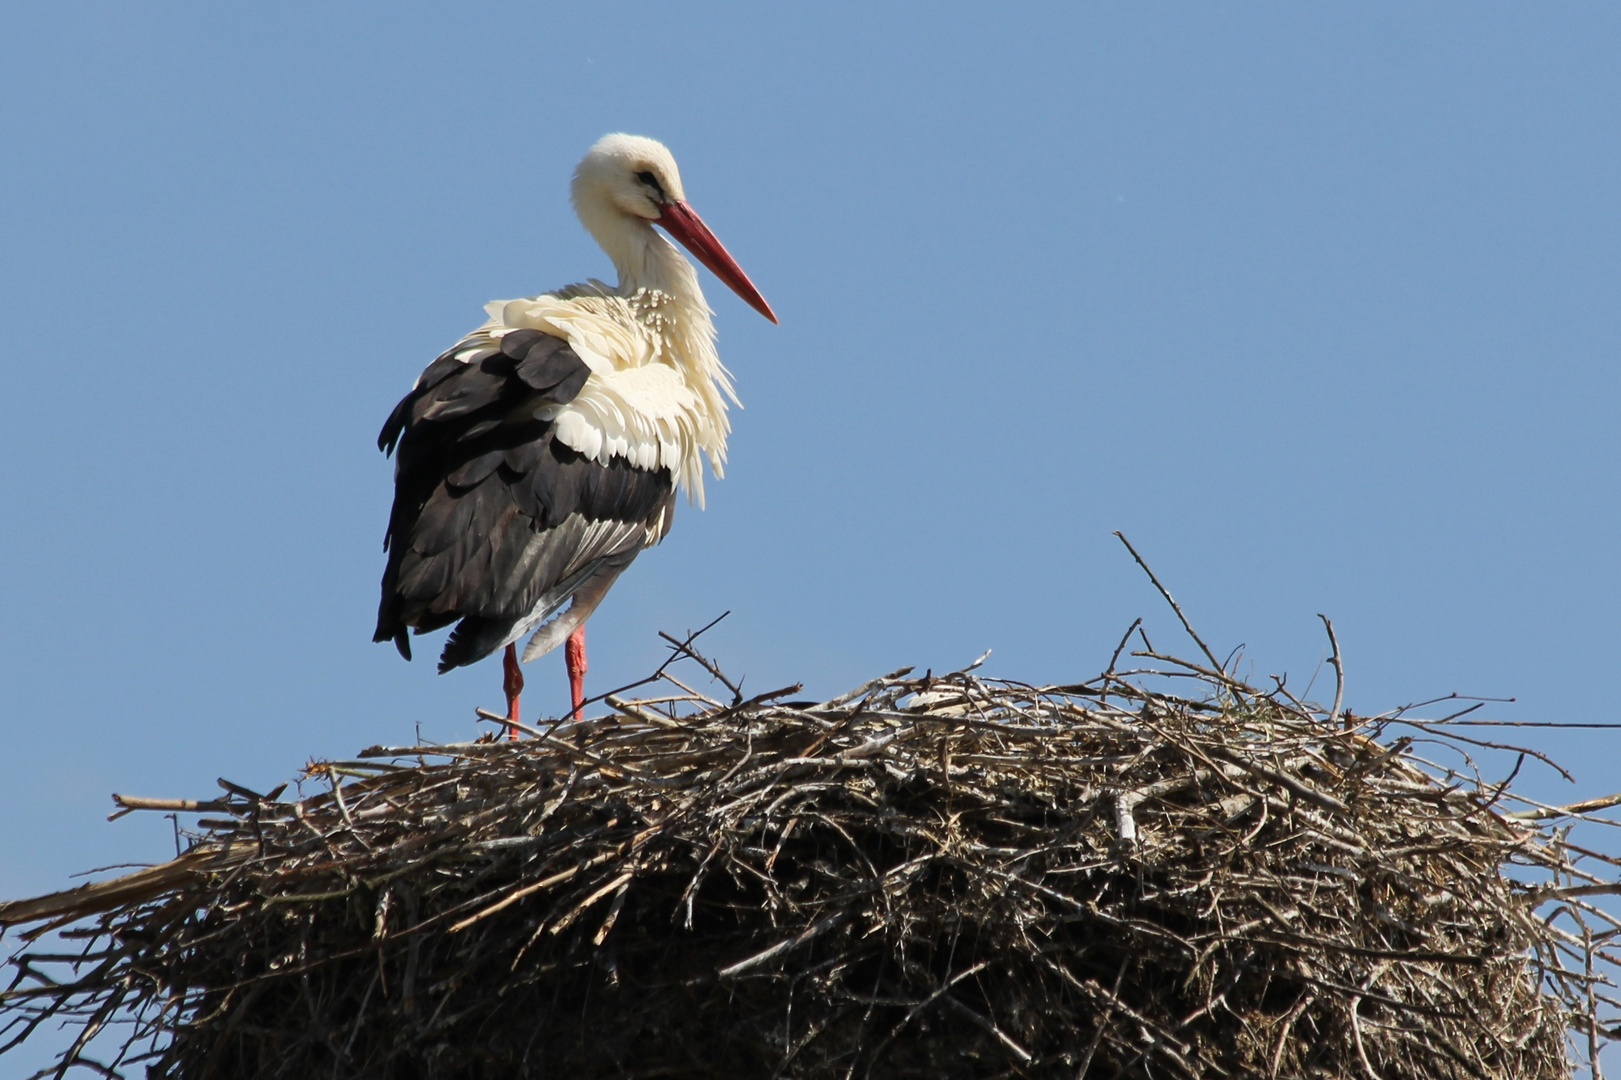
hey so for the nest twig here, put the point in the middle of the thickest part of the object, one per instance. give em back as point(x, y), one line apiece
point(940, 876)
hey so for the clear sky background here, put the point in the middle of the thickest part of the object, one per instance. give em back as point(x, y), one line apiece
point(1318, 304)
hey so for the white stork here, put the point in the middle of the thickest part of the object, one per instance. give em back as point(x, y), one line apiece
point(543, 451)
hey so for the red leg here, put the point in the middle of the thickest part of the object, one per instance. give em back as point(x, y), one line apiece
point(512, 683)
point(574, 655)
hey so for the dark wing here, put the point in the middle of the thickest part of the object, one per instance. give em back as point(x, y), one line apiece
point(493, 518)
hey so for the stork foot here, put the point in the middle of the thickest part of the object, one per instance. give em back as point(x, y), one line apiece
point(574, 656)
point(512, 684)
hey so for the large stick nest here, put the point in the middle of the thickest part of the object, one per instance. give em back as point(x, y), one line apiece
point(939, 877)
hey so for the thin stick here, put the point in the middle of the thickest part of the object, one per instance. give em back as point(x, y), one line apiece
point(1163, 591)
point(1120, 648)
point(686, 648)
point(1103, 1020)
point(1339, 670)
point(675, 655)
point(140, 802)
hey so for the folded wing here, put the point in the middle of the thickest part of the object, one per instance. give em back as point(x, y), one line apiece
point(497, 525)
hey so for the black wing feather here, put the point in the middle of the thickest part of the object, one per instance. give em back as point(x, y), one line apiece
point(478, 478)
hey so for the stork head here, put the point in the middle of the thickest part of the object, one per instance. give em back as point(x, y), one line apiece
point(634, 175)
point(629, 180)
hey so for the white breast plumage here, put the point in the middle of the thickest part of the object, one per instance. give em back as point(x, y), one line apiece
point(657, 395)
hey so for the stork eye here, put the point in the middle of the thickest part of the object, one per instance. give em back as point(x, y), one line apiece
point(652, 181)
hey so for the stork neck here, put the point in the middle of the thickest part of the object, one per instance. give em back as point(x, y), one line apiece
point(646, 260)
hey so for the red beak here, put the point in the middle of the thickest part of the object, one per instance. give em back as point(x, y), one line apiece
point(683, 223)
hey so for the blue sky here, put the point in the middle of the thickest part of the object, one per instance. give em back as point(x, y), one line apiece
point(1317, 304)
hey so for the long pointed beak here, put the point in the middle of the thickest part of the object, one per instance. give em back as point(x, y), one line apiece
point(683, 223)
